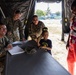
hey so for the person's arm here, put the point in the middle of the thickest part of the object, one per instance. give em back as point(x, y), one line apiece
point(49, 45)
point(48, 48)
point(4, 49)
point(67, 45)
point(21, 31)
point(39, 42)
point(42, 26)
point(8, 45)
point(31, 30)
point(38, 39)
point(71, 28)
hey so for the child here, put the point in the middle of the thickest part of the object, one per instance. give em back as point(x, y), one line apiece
point(45, 43)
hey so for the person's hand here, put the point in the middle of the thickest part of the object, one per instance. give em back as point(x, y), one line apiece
point(67, 47)
point(36, 40)
point(9, 46)
point(43, 47)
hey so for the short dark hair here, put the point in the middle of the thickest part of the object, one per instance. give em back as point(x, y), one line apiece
point(34, 16)
point(73, 4)
point(2, 24)
point(17, 12)
point(44, 30)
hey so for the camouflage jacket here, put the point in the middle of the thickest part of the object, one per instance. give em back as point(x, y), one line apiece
point(3, 44)
point(36, 29)
point(14, 29)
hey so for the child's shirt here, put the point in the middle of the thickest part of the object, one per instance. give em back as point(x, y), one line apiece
point(46, 43)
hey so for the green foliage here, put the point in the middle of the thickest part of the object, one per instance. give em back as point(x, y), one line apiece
point(40, 13)
point(57, 13)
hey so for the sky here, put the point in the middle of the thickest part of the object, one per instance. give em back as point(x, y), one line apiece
point(54, 7)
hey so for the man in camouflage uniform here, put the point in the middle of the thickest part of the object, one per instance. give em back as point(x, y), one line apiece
point(35, 29)
point(4, 44)
point(14, 27)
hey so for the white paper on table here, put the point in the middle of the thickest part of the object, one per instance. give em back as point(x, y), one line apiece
point(16, 50)
point(17, 42)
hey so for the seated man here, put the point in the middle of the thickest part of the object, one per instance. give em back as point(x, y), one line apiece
point(4, 42)
point(35, 29)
